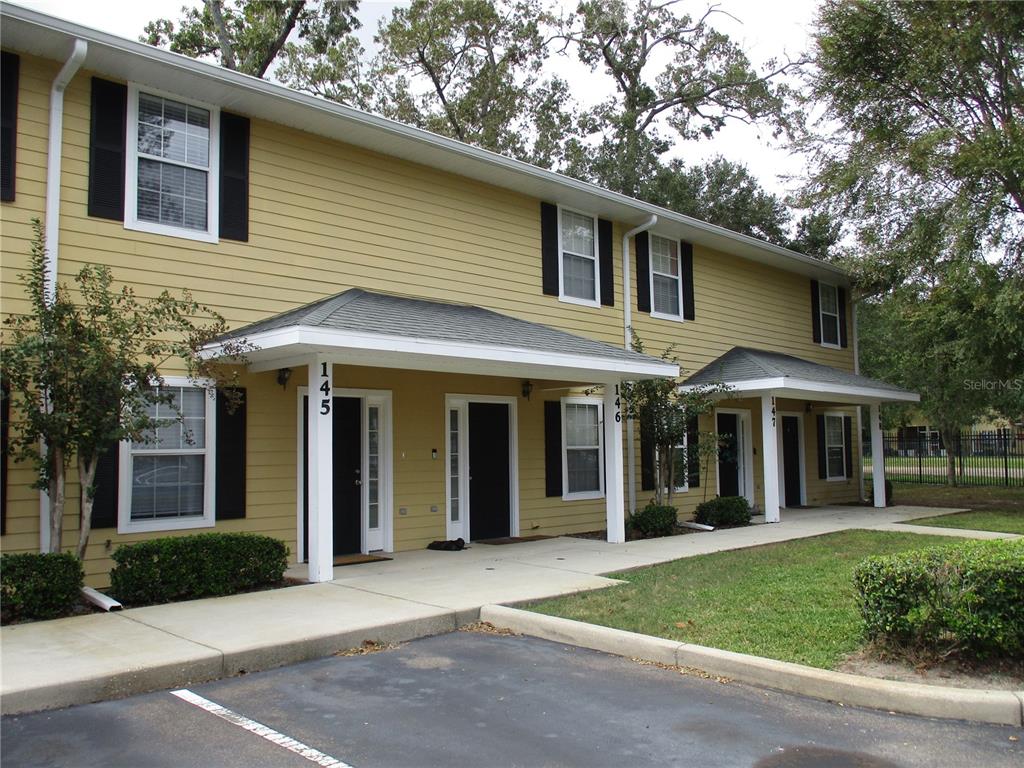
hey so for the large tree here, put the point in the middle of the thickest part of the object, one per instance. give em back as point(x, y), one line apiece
point(474, 70)
point(923, 152)
point(84, 369)
point(249, 35)
point(706, 82)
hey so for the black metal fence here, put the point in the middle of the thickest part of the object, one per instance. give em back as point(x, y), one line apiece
point(980, 457)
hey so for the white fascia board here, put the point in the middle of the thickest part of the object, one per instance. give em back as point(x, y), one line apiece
point(290, 107)
point(785, 386)
point(329, 342)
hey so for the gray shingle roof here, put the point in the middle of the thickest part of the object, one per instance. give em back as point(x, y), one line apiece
point(745, 364)
point(360, 311)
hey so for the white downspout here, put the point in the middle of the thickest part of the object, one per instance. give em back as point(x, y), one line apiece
point(51, 219)
point(856, 369)
point(627, 337)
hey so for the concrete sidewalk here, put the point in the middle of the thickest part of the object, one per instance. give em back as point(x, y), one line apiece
point(101, 656)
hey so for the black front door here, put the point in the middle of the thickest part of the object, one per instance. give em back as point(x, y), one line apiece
point(489, 462)
point(348, 462)
point(729, 455)
point(791, 459)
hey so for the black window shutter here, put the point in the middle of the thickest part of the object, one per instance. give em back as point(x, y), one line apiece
point(549, 250)
point(104, 503)
point(9, 68)
point(643, 272)
point(692, 456)
point(107, 131)
point(552, 448)
point(646, 460)
point(234, 177)
point(686, 270)
point(822, 458)
point(815, 312)
point(841, 304)
point(604, 251)
point(230, 452)
point(848, 443)
point(5, 420)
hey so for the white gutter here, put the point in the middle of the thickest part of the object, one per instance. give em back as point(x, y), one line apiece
point(627, 337)
point(51, 221)
point(53, 158)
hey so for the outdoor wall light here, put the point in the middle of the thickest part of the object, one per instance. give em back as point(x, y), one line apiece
point(527, 389)
point(283, 374)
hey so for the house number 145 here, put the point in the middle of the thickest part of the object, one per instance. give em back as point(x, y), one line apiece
point(325, 388)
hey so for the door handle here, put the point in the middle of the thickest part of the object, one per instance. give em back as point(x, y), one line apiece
point(359, 482)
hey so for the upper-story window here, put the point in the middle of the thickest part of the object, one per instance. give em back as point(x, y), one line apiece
point(579, 276)
point(829, 313)
point(666, 281)
point(171, 166)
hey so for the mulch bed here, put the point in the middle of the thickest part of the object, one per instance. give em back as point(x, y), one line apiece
point(602, 535)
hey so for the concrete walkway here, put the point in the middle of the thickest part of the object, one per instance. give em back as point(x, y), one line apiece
point(102, 656)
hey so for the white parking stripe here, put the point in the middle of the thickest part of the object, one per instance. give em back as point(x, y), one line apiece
point(313, 755)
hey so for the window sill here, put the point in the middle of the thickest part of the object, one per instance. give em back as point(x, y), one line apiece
point(583, 496)
point(163, 229)
point(580, 302)
point(842, 479)
point(171, 524)
point(670, 318)
point(826, 345)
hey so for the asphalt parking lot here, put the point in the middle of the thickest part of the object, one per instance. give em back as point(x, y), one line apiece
point(474, 699)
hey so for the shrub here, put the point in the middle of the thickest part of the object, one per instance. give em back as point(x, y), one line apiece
point(189, 567)
point(38, 586)
point(964, 598)
point(724, 512)
point(654, 520)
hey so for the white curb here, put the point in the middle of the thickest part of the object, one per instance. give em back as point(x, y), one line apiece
point(1001, 707)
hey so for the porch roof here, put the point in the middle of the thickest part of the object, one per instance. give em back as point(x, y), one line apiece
point(359, 327)
point(749, 370)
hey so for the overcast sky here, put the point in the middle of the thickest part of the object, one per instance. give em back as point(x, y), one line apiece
point(763, 29)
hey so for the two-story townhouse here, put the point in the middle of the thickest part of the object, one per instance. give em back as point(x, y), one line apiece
point(439, 331)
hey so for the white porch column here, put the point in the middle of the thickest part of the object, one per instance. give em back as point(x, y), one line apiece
point(613, 485)
point(770, 456)
point(877, 456)
point(320, 433)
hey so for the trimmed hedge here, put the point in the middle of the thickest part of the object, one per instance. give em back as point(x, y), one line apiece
point(724, 512)
point(38, 586)
point(654, 520)
point(203, 565)
point(965, 598)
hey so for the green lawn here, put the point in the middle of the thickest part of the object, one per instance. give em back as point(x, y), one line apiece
point(1002, 520)
point(792, 601)
point(966, 497)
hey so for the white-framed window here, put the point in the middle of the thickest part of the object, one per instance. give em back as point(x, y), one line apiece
point(172, 165)
point(579, 275)
point(835, 447)
point(666, 279)
point(582, 448)
point(168, 483)
point(828, 301)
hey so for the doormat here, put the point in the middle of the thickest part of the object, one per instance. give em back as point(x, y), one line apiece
point(358, 559)
point(512, 539)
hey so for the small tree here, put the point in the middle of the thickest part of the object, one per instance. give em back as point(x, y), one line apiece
point(664, 411)
point(709, 447)
point(84, 375)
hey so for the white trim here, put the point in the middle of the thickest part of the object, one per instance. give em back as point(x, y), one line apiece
point(679, 318)
point(383, 399)
point(583, 495)
point(385, 350)
point(842, 420)
point(131, 166)
point(747, 455)
point(562, 296)
point(27, 29)
point(209, 452)
point(802, 456)
point(807, 389)
point(461, 403)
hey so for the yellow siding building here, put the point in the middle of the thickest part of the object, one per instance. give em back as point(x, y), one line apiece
point(456, 288)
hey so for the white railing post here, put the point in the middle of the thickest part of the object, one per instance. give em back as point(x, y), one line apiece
point(770, 457)
point(877, 456)
point(320, 434)
point(613, 483)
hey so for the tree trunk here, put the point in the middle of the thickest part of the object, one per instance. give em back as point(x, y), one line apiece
point(86, 476)
point(56, 492)
point(948, 442)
